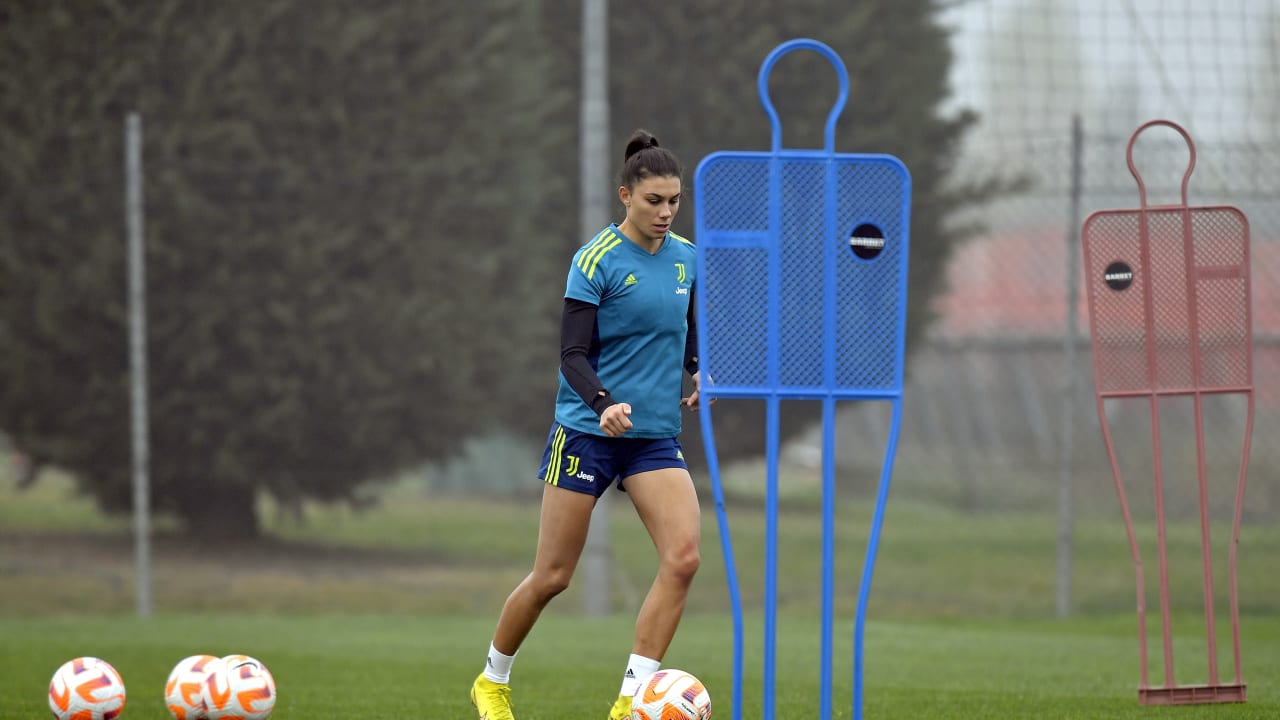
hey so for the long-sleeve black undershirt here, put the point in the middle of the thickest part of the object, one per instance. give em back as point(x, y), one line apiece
point(578, 329)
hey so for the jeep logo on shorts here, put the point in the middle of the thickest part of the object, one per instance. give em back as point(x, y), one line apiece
point(573, 471)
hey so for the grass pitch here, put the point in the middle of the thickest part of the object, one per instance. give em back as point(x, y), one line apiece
point(393, 667)
point(387, 613)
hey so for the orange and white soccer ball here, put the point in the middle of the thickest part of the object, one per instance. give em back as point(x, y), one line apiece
point(238, 687)
point(86, 688)
point(671, 695)
point(183, 689)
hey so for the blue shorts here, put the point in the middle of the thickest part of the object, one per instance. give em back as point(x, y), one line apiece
point(589, 464)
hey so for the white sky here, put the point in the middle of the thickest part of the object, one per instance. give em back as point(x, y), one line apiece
point(1210, 65)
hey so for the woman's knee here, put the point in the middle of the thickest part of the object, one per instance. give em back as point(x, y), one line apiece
point(550, 583)
point(683, 562)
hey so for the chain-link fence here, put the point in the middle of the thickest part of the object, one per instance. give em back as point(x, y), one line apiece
point(1000, 406)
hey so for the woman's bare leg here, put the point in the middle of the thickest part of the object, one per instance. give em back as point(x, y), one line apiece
point(562, 533)
point(668, 507)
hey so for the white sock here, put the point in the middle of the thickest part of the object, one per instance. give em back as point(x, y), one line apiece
point(639, 668)
point(498, 667)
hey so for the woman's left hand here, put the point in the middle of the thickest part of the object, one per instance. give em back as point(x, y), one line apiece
point(691, 402)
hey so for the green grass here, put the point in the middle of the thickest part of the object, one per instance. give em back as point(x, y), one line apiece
point(376, 667)
point(387, 612)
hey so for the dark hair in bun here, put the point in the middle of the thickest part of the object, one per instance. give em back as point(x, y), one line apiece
point(644, 157)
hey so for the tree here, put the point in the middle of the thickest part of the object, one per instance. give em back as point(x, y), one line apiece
point(357, 215)
point(327, 249)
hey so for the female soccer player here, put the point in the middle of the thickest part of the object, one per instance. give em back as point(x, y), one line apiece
point(627, 333)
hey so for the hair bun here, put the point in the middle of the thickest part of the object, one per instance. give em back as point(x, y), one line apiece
point(640, 140)
point(644, 157)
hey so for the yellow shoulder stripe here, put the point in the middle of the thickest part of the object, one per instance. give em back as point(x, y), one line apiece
point(584, 258)
point(681, 239)
point(590, 257)
point(602, 239)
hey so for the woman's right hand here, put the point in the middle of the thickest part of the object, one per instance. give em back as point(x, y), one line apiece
point(616, 419)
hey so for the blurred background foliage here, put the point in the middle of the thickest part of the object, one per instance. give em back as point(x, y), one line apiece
point(360, 213)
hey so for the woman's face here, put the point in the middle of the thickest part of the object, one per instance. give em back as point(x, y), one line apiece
point(652, 204)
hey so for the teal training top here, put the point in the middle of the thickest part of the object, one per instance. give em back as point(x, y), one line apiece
point(638, 346)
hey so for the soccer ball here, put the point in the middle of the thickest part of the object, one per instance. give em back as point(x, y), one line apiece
point(238, 687)
point(671, 695)
point(86, 688)
point(183, 689)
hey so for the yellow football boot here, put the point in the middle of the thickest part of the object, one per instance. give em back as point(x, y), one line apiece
point(492, 700)
point(621, 708)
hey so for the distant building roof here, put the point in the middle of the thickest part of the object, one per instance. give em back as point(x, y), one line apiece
point(1015, 285)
